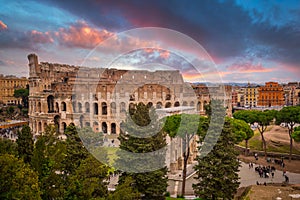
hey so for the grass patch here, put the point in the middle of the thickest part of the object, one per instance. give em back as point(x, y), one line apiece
point(255, 143)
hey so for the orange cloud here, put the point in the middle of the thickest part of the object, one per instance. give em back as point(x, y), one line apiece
point(40, 37)
point(162, 53)
point(2, 25)
point(82, 35)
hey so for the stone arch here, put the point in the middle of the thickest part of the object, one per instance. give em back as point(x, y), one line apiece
point(87, 124)
point(122, 107)
point(63, 106)
point(158, 105)
point(176, 104)
point(57, 123)
point(112, 107)
point(64, 126)
point(79, 107)
point(95, 126)
point(50, 102)
point(39, 107)
point(104, 108)
point(95, 108)
point(184, 103)
point(150, 104)
point(45, 125)
point(131, 106)
point(113, 128)
point(74, 106)
point(104, 127)
point(87, 107)
point(168, 105)
point(81, 119)
point(192, 104)
point(40, 127)
point(57, 107)
point(199, 106)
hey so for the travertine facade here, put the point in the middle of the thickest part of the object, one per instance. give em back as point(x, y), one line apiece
point(98, 97)
point(8, 84)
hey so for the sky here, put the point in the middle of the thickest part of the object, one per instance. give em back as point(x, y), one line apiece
point(235, 41)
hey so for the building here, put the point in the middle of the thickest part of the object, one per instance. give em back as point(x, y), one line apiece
point(205, 93)
point(272, 94)
point(8, 84)
point(250, 95)
point(98, 97)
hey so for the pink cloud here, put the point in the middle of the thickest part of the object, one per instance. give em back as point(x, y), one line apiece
point(2, 25)
point(82, 35)
point(40, 37)
point(248, 67)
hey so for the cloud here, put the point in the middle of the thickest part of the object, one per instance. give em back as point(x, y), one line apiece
point(247, 67)
point(40, 37)
point(2, 25)
point(82, 35)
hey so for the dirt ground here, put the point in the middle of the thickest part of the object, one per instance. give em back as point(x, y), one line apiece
point(261, 192)
point(279, 135)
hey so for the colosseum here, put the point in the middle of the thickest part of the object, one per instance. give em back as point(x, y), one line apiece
point(98, 97)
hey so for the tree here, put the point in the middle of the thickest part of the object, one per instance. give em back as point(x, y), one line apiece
point(142, 154)
point(88, 180)
point(25, 144)
point(22, 93)
point(125, 191)
point(18, 181)
point(10, 111)
point(296, 134)
point(48, 156)
point(242, 131)
point(186, 127)
point(76, 152)
point(290, 116)
point(217, 171)
point(8, 147)
point(262, 118)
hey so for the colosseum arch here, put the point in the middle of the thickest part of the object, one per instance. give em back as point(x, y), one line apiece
point(87, 107)
point(113, 108)
point(113, 128)
point(158, 105)
point(104, 127)
point(39, 107)
point(50, 102)
point(192, 104)
point(104, 108)
point(96, 126)
point(63, 106)
point(95, 108)
point(81, 119)
point(56, 107)
point(57, 123)
point(64, 126)
point(79, 107)
point(184, 103)
point(168, 105)
point(122, 107)
point(149, 104)
point(40, 127)
point(176, 104)
point(199, 106)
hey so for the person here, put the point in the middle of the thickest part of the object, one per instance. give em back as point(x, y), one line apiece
point(286, 179)
point(272, 174)
point(257, 183)
point(255, 156)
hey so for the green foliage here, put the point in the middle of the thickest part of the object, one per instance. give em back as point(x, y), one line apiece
point(290, 115)
point(125, 191)
point(241, 130)
point(48, 155)
point(217, 171)
point(8, 147)
point(76, 152)
point(24, 94)
point(18, 181)
point(25, 144)
point(10, 111)
point(87, 181)
point(141, 134)
point(296, 134)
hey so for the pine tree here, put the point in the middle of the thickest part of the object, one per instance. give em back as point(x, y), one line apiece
point(25, 144)
point(142, 145)
point(217, 170)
